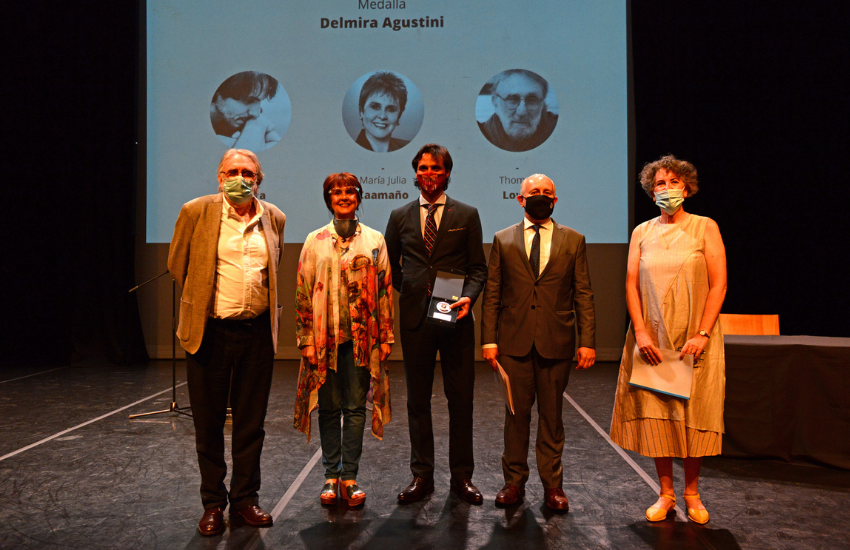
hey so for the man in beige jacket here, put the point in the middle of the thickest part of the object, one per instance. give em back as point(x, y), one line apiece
point(225, 253)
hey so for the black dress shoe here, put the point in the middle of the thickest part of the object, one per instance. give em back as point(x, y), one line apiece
point(418, 489)
point(467, 491)
point(254, 515)
point(557, 500)
point(212, 523)
point(509, 495)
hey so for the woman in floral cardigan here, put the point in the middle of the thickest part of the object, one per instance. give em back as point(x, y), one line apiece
point(344, 324)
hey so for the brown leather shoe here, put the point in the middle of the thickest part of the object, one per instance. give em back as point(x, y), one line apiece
point(254, 515)
point(557, 500)
point(212, 523)
point(418, 489)
point(509, 495)
point(467, 491)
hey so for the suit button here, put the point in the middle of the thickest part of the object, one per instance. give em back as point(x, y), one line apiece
point(532, 307)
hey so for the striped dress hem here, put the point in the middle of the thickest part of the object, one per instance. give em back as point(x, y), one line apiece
point(658, 437)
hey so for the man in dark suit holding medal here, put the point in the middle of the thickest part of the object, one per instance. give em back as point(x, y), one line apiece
point(538, 291)
point(436, 233)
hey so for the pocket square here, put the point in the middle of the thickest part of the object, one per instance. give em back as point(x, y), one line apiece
point(458, 229)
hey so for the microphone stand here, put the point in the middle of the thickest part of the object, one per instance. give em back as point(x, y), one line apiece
point(174, 408)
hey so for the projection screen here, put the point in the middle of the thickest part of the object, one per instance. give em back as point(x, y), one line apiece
point(510, 88)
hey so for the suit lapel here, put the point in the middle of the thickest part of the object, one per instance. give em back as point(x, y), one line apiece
point(445, 221)
point(211, 223)
point(209, 228)
point(519, 243)
point(415, 220)
point(269, 234)
point(559, 237)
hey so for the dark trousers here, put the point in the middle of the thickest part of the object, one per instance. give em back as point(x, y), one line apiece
point(457, 359)
point(343, 394)
point(235, 358)
point(547, 379)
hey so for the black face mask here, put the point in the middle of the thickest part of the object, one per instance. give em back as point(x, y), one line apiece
point(345, 228)
point(539, 207)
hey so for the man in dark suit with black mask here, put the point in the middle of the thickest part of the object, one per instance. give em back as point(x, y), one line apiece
point(436, 233)
point(538, 293)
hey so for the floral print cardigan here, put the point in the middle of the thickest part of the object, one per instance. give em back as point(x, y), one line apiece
point(370, 302)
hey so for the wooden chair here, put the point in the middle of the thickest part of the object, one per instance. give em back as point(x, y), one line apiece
point(750, 324)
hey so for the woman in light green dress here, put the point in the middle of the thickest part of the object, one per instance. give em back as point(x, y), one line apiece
point(675, 286)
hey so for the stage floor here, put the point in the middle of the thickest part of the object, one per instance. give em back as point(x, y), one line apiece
point(76, 473)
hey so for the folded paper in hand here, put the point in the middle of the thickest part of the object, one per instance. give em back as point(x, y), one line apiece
point(504, 385)
point(672, 376)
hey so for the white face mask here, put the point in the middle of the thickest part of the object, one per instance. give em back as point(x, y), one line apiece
point(670, 200)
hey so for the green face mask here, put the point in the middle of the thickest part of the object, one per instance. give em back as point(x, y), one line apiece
point(669, 200)
point(238, 189)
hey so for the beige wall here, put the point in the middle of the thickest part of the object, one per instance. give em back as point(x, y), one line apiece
point(607, 271)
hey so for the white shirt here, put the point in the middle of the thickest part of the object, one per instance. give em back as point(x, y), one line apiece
point(546, 230)
point(241, 270)
point(438, 213)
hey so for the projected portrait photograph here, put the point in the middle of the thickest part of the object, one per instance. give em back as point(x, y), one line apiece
point(382, 111)
point(516, 110)
point(250, 110)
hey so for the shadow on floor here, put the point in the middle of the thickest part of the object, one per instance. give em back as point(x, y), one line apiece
point(679, 535)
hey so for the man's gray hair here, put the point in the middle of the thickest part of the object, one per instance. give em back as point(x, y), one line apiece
point(526, 73)
point(230, 153)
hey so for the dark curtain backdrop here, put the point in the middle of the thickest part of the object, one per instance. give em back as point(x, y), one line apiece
point(755, 95)
point(69, 89)
point(752, 93)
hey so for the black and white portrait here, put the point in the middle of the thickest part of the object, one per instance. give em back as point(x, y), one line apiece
point(250, 110)
point(517, 110)
point(382, 111)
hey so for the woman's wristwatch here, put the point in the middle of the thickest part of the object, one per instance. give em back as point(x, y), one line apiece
point(704, 333)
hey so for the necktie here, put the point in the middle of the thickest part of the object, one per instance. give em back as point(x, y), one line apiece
point(430, 227)
point(534, 257)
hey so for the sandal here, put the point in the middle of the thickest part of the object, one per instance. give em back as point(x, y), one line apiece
point(695, 514)
point(654, 513)
point(352, 493)
point(330, 492)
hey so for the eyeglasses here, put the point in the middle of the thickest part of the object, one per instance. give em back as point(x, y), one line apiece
point(247, 174)
point(532, 102)
point(338, 192)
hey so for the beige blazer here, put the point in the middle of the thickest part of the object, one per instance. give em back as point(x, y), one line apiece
point(192, 259)
point(520, 311)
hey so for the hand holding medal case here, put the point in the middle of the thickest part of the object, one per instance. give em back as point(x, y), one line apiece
point(447, 290)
